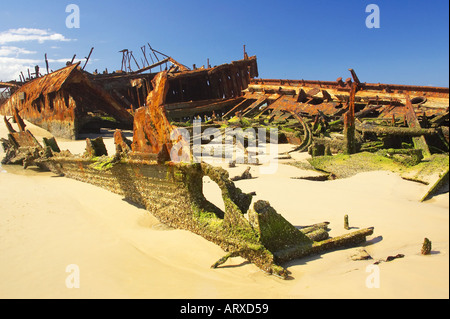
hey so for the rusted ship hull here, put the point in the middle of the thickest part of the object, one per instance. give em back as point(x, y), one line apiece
point(66, 103)
point(173, 192)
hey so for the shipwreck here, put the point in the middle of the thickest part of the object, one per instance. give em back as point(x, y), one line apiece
point(321, 117)
point(141, 172)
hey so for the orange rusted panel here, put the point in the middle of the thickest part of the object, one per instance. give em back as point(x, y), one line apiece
point(151, 129)
point(64, 102)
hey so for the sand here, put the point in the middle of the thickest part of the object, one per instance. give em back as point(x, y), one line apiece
point(121, 251)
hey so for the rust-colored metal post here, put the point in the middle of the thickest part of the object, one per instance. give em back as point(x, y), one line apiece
point(349, 122)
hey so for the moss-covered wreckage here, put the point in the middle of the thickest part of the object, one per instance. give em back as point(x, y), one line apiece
point(141, 170)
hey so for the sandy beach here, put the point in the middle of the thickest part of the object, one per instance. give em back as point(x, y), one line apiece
point(48, 223)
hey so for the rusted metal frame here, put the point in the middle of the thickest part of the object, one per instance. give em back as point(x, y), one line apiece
point(181, 92)
point(230, 82)
point(276, 106)
point(150, 66)
point(144, 54)
point(196, 110)
point(239, 70)
point(270, 90)
point(268, 106)
point(243, 76)
point(209, 85)
point(354, 76)
point(201, 88)
point(239, 81)
point(213, 82)
point(154, 53)
point(177, 89)
point(394, 88)
point(73, 59)
point(307, 137)
point(227, 90)
point(219, 88)
point(11, 84)
point(124, 59)
point(254, 105)
point(236, 83)
point(117, 110)
point(194, 89)
point(190, 104)
point(181, 66)
point(206, 87)
point(235, 108)
point(131, 54)
point(411, 117)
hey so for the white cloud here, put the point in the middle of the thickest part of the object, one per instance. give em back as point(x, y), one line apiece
point(29, 34)
point(11, 61)
point(15, 51)
point(10, 67)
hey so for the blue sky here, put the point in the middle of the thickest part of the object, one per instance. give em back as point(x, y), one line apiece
point(314, 40)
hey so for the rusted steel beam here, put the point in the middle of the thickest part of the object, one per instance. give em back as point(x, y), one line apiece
point(181, 66)
point(393, 88)
point(154, 65)
point(349, 122)
point(254, 105)
point(87, 58)
point(20, 123)
point(411, 117)
point(11, 84)
point(354, 76)
point(46, 63)
point(190, 109)
point(235, 108)
point(8, 125)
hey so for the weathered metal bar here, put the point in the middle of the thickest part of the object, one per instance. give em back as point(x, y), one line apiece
point(87, 59)
point(46, 63)
point(254, 105)
point(393, 130)
point(189, 109)
point(354, 76)
point(154, 65)
point(433, 91)
point(349, 122)
point(413, 122)
point(235, 108)
point(131, 54)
